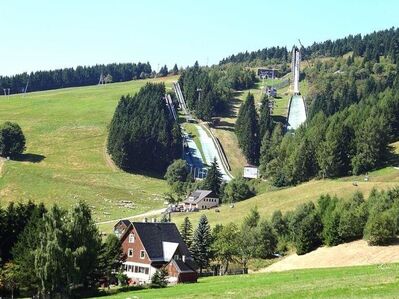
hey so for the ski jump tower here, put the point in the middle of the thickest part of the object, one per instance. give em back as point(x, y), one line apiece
point(296, 107)
point(296, 59)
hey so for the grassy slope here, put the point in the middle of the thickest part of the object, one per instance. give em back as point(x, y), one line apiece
point(289, 198)
point(351, 282)
point(66, 129)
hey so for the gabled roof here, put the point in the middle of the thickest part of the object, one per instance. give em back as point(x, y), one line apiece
point(198, 195)
point(183, 266)
point(124, 221)
point(159, 239)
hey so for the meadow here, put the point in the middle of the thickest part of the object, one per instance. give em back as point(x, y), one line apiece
point(377, 281)
point(65, 158)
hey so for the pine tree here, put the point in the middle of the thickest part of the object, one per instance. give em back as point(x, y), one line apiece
point(265, 118)
point(201, 245)
point(175, 70)
point(247, 130)
point(371, 144)
point(12, 139)
point(266, 154)
point(213, 180)
point(111, 257)
point(186, 231)
point(23, 251)
point(84, 243)
point(252, 219)
point(51, 265)
point(158, 280)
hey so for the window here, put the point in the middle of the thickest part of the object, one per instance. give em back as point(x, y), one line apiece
point(176, 257)
point(130, 252)
point(142, 254)
point(131, 238)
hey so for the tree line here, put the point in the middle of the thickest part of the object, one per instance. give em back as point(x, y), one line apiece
point(348, 132)
point(351, 122)
point(143, 134)
point(55, 252)
point(251, 127)
point(73, 77)
point(331, 221)
point(207, 91)
point(223, 245)
point(380, 43)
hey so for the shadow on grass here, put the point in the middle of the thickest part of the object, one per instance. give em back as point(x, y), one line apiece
point(280, 118)
point(224, 125)
point(393, 157)
point(29, 157)
point(150, 173)
point(107, 292)
point(231, 108)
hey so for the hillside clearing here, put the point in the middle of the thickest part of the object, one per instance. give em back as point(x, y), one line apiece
point(355, 253)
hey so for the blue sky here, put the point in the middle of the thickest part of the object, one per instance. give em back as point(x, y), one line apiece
point(43, 34)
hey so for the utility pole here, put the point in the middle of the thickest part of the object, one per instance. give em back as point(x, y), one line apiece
point(101, 81)
point(26, 87)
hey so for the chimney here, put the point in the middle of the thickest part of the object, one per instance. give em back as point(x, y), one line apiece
point(183, 258)
point(145, 219)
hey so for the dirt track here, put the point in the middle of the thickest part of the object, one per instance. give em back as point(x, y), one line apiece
point(350, 254)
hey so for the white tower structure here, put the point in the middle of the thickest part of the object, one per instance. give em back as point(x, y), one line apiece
point(296, 59)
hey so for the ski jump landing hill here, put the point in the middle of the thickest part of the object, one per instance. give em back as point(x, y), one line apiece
point(209, 143)
point(296, 106)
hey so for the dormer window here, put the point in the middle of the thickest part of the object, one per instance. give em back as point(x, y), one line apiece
point(131, 238)
point(176, 257)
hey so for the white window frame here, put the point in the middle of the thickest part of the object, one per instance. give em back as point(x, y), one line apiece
point(130, 250)
point(131, 238)
point(142, 254)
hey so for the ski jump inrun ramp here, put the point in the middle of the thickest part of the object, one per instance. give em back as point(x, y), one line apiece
point(296, 106)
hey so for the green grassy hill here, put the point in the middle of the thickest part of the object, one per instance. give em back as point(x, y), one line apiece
point(65, 159)
point(378, 281)
point(288, 198)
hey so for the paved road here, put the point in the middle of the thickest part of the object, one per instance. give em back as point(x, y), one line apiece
point(146, 214)
point(297, 114)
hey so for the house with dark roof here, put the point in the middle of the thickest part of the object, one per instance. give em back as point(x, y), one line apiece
point(149, 246)
point(201, 199)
